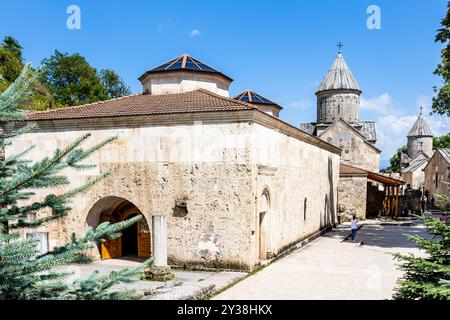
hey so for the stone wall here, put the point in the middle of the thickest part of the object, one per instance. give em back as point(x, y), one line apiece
point(219, 170)
point(302, 184)
point(352, 196)
point(335, 105)
point(437, 165)
point(185, 81)
point(416, 145)
point(355, 151)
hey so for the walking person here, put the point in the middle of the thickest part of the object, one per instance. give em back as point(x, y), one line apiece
point(354, 224)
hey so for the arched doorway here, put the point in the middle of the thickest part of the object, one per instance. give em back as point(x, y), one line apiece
point(135, 240)
point(263, 225)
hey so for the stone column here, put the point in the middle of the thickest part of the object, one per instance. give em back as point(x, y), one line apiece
point(160, 270)
point(159, 235)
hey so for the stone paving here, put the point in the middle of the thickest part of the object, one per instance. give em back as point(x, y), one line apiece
point(186, 284)
point(330, 268)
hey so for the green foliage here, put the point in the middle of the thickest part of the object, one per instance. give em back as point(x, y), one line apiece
point(114, 85)
point(441, 142)
point(67, 80)
point(10, 67)
point(12, 45)
point(441, 102)
point(428, 277)
point(396, 159)
point(23, 275)
point(71, 80)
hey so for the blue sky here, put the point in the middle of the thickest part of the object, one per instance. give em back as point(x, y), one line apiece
point(280, 49)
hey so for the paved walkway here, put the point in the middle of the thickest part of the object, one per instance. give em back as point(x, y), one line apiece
point(185, 285)
point(330, 269)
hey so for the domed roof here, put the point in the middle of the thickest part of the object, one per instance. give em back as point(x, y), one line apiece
point(254, 98)
point(339, 77)
point(420, 128)
point(184, 62)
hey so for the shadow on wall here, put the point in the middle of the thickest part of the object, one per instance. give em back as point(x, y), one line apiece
point(331, 203)
point(328, 216)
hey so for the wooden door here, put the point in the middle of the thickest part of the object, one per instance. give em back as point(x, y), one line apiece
point(144, 239)
point(262, 237)
point(111, 249)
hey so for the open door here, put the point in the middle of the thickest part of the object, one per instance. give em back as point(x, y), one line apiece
point(144, 239)
point(111, 249)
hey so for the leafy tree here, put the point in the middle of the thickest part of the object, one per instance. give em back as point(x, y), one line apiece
point(441, 142)
point(23, 274)
point(10, 67)
point(396, 159)
point(441, 102)
point(114, 85)
point(12, 45)
point(428, 277)
point(71, 80)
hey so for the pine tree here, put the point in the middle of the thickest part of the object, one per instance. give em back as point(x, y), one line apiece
point(23, 273)
point(428, 277)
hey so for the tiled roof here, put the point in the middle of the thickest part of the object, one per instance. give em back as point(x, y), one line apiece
point(339, 77)
point(347, 170)
point(417, 162)
point(254, 98)
point(200, 100)
point(185, 62)
point(420, 129)
point(368, 130)
point(445, 153)
point(350, 170)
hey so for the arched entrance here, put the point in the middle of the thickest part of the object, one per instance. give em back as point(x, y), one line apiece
point(135, 240)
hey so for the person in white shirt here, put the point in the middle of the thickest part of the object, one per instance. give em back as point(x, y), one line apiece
point(354, 223)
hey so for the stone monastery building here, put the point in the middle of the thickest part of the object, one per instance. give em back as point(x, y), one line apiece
point(233, 182)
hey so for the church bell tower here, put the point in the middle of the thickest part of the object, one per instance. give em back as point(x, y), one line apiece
point(338, 96)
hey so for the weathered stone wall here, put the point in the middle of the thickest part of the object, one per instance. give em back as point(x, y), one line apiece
point(217, 169)
point(437, 165)
point(352, 196)
point(182, 81)
point(298, 176)
point(415, 178)
point(355, 151)
point(334, 105)
point(420, 144)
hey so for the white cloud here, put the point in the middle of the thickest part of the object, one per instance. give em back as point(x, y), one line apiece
point(392, 130)
point(381, 104)
point(195, 33)
point(300, 104)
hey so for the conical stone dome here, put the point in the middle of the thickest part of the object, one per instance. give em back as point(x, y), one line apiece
point(420, 139)
point(339, 77)
point(420, 129)
point(338, 95)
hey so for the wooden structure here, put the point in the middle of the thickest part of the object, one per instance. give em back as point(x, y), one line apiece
point(139, 234)
point(391, 188)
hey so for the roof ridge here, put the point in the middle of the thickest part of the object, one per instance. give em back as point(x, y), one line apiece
point(225, 98)
point(87, 104)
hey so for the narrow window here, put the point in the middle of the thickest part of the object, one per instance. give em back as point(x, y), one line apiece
point(304, 209)
point(437, 179)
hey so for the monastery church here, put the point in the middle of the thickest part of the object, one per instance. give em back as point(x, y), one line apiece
point(219, 181)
